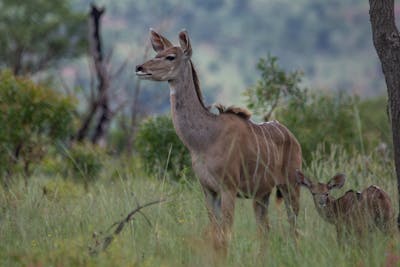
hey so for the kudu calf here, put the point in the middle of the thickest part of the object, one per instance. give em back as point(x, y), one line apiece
point(231, 155)
point(353, 213)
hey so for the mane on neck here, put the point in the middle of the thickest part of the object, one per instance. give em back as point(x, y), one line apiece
point(241, 112)
point(197, 85)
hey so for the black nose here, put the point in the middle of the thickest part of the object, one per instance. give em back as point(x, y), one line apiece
point(139, 68)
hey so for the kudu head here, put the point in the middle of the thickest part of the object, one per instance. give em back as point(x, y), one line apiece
point(169, 61)
point(320, 191)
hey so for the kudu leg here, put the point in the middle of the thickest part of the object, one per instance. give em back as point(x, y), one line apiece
point(228, 199)
point(291, 197)
point(260, 206)
point(213, 204)
point(220, 209)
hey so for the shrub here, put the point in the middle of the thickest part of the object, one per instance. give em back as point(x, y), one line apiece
point(32, 117)
point(85, 162)
point(160, 148)
point(274, 89)
point(374, 122)
point(61, 189)
point(324, 119)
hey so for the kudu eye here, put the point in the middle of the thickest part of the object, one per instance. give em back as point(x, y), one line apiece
point(170, 57)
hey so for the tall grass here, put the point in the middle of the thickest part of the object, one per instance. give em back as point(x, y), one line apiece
point(56, 228)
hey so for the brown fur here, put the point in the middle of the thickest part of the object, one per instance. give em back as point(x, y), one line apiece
point(196, 83)
point(231, 155)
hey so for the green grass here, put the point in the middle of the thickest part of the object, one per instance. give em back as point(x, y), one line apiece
point(56, 229)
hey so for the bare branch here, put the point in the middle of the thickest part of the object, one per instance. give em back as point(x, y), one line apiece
point(109, 55)
point(92, 80)
point(101, 245)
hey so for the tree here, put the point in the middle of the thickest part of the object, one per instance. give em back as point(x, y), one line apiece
point(99, 102)
point(37, 34)
point(32, 117)
point(386, 40)
point(273, 89)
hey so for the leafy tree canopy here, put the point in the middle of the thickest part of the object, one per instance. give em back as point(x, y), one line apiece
point(37, 34)
point(32, 117)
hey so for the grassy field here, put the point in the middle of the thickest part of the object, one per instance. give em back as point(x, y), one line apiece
point(56, 227)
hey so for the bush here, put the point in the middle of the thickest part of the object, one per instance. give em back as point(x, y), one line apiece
point(324, 119)
point(85, 162)
point(375, 124)
point(160, 148)
point(274, 89)
point(32, 117)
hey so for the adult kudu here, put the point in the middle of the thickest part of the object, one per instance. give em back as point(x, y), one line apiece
point(231, 155)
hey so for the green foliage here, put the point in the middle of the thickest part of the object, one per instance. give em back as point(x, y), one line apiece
point(374, 123)
point(273, 89)
point(85, 161)
point(37, 34)
point(61, 189)
point(160, 148)
point(323, 119)
point(32, 117)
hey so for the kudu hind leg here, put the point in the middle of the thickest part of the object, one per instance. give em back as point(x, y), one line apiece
point(291, 197)
point(260, 206)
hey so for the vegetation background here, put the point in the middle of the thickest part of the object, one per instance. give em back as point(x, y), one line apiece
point(307, 63)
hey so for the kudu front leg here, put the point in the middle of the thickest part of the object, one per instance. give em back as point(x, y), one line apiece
point(213, 205)
point(291, 197)
point(220, 209)
point(228, 199)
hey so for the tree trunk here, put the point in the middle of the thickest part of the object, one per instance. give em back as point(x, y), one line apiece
point(102, 75)
point(386, 40)
point(101, 101)
point(84, 129)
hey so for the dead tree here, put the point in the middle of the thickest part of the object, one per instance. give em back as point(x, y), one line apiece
point(101, 102)
point(96, 52)
point(102, 74)
point(386, 40)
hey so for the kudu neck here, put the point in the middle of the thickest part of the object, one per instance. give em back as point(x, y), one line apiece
point(328, 211)
point(194, 124)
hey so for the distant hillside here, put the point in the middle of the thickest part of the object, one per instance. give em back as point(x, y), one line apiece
point(330, 41)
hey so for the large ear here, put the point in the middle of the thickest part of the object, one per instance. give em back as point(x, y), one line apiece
point(185, 43)
point(158, 41)
point(302, 180)
point(337, 181)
